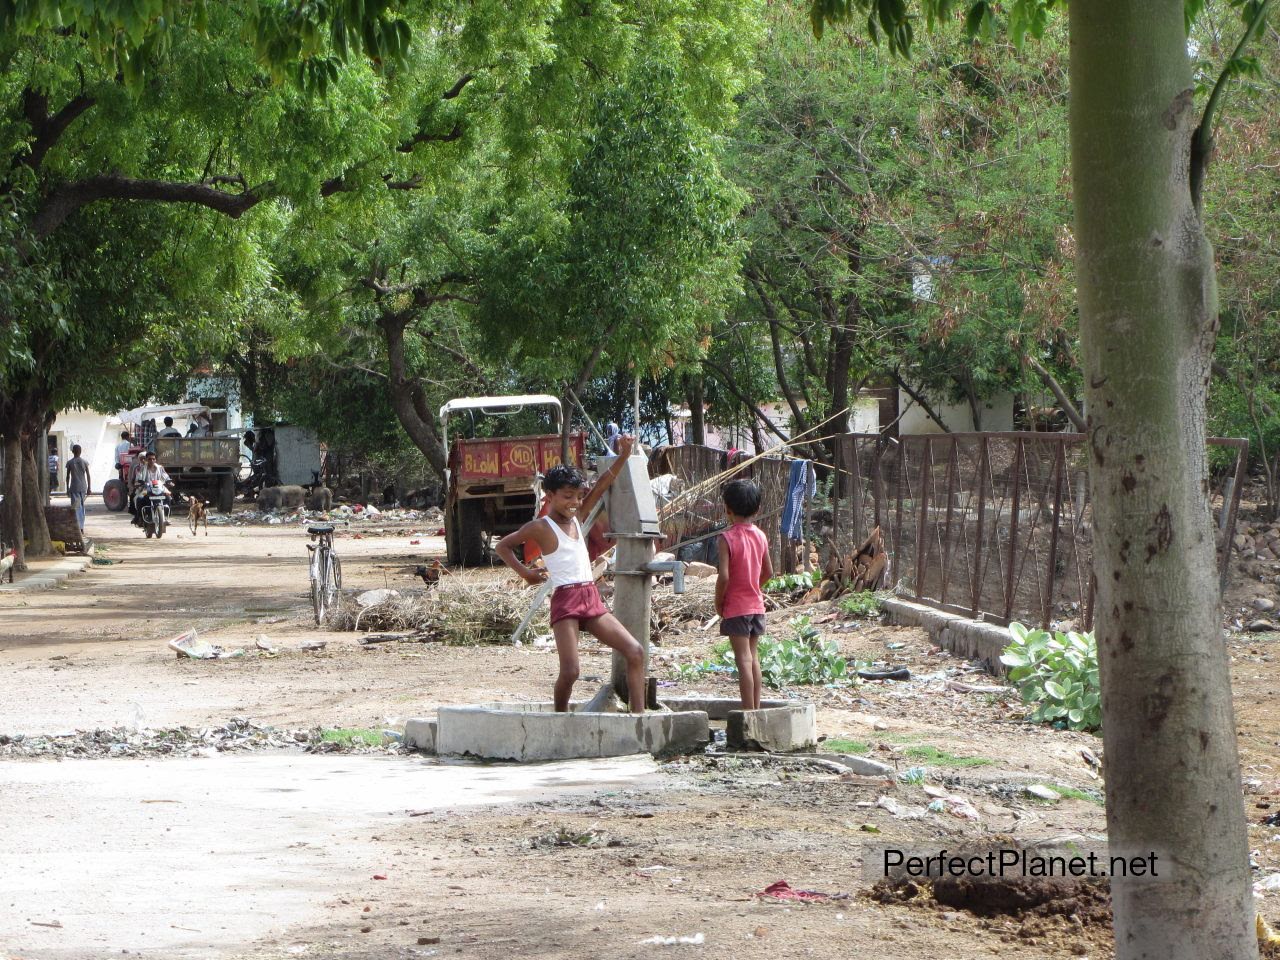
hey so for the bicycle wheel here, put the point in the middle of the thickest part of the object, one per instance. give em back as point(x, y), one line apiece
point(317, 590)
point(333, 583)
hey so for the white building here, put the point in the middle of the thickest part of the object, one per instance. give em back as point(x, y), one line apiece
point(97, 433)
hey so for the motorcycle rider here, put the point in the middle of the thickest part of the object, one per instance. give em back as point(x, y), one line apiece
point(149, 475)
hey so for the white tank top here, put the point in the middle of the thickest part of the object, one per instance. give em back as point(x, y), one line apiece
point(569, 564)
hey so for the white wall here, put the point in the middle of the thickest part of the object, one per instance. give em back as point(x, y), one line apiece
point(865, 415)
point(997, 415)
point(98, 434)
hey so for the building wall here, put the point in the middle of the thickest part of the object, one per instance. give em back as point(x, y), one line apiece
point(97, 433)
point(997, 415)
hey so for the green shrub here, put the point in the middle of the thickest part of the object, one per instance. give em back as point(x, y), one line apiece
point(1058, 672)
point(789, 583)
point(868, 603)
point(804, 659)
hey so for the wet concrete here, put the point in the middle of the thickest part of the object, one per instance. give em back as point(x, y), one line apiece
point(200, 858)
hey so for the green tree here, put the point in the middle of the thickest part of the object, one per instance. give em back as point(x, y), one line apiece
point(1149, 320)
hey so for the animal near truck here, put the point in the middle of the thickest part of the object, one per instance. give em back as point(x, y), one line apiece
point(502, 446)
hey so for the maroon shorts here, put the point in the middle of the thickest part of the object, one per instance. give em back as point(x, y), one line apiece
point(581, 601)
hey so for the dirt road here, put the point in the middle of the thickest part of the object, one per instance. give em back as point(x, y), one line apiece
point(272, 855)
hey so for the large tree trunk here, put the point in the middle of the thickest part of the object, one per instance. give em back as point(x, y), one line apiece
point(1148, 315)
point(697, 411)
point(408, 399)
point(12, 515)
point(39, 543)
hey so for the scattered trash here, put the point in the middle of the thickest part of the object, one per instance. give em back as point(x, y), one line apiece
point(189, 645)
point(956, 806)
point(372, 597)
point(1260, 626)
point(1267, 884)
point(900, 810)
point(959, 687)
point(902, 673)
point(237, 734)
point(694, 941)
point(379, 876)
point(313, 644)
point(264, 644)
point(783, 891)
point(1041, 792)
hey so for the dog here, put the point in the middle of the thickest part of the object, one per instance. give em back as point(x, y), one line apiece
point(319, 498)
point(198, 513)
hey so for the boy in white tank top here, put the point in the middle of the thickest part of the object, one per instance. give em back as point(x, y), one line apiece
point(576, 603)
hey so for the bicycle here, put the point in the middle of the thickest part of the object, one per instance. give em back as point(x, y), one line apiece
point(325, 571)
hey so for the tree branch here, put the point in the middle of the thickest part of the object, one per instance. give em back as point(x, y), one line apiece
point(924, 404)
point(47, 129)
point(70, 197)
point(1202, 139)
point(423, 137)
point(1059, 394)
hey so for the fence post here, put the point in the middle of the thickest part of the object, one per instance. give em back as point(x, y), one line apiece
point(922, 521)
point(899, 482)
point(948, 550)
point(1013, 527)
point(1059, 464)
point(983, 460)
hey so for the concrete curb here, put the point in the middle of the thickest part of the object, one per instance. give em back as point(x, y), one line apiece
point(971, 639)
point(49, 577)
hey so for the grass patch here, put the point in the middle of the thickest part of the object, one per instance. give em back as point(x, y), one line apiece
point(1071, 793)
point(349, 735)
point(941, 758)
point(838, 745)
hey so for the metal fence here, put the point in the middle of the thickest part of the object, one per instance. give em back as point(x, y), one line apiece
point(691, 518)
point(991, 525)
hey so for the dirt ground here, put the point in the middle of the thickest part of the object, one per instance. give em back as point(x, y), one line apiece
point(682, 851)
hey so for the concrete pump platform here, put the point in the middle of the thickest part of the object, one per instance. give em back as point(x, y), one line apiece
point(534, 731)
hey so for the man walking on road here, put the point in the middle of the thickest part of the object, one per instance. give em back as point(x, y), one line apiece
point(78, 482)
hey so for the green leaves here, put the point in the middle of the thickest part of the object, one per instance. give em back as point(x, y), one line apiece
point(1058, 673)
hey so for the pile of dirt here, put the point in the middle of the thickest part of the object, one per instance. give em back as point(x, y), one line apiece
point(1088, 901)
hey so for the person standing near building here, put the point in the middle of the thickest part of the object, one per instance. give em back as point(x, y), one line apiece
point(54, 460)
point(78, 482)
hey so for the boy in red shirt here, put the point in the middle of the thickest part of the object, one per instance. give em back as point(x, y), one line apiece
point(744, 569)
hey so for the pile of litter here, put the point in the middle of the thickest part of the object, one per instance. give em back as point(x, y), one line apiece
point(237, 735)
point(468, 607)
point(430, 519)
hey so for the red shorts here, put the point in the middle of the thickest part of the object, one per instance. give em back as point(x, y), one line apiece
point(581, 601)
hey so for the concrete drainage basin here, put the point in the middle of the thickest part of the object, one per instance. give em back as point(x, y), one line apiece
point(534, 731)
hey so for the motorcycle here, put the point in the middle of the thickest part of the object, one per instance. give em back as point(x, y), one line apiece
point(154, 510)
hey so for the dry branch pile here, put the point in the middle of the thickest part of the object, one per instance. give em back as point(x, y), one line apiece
point(673, 610)
point(861, 570)
point(464, 608)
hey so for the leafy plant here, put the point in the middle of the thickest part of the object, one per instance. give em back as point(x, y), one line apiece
point(348, 736)
point(789, 583)
point(804, 659)
point(865, 604)
point(1058, 672)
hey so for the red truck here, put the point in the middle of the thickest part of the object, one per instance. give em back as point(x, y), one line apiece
point(492, 479)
